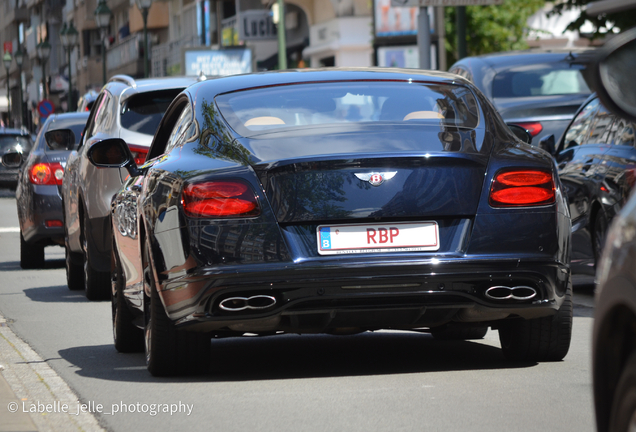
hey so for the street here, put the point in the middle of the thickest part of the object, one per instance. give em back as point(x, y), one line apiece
point(381, 381)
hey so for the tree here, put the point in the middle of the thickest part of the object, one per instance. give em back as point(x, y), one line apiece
point(492, 28)
point(613, 22)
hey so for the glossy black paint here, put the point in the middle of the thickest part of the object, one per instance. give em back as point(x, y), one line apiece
point(303, 179)
point(596, 159)
point(39, 203)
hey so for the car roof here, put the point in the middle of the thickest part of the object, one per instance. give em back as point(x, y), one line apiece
point(73, 114)
point(126, 86)
point(504, 60)
point(232, 83)
point(12, 131)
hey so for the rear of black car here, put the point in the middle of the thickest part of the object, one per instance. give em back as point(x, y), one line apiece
point(540, 90)
point(453, 220)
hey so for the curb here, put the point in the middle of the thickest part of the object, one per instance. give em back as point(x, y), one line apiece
point(33, 396)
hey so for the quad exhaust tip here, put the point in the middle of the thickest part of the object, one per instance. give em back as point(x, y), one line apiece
point(520, 293)
point(257, 302)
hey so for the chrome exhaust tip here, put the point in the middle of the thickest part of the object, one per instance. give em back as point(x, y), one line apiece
point(257, 302)
point(519, 293)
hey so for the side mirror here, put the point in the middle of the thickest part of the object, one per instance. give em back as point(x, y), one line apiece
point(12, 159)
point(113, 153)
point(547, 143)
point(611, 75)
point(60, 139)
point(520, 133)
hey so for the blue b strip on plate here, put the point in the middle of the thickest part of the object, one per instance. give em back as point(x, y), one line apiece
point(325, 238)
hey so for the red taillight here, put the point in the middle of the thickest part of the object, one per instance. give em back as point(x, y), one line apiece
point(522, 188)
point(53, 223)
point(139, 153)
point(534, 128)
point(219, 199)
point(45, 173)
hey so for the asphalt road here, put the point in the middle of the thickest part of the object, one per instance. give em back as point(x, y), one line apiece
point(382, 381)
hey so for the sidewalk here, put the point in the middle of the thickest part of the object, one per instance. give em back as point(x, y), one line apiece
point(18, 422)
point(32, 395)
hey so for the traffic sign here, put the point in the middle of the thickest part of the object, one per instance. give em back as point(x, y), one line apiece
point(422, 3)
point(8, 47)
point(45, 108)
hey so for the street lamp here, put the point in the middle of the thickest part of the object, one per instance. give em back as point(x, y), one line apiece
point(19, 59)
point(7, 59)
point(102, 16)
point(144, 6)
point(69, 36)
point(44, 51)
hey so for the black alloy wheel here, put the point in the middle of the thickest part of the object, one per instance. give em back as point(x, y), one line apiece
point(540, 339)
point(128, 337)
point(31, 256)
point(623, 410)
point(74, 262)
point(170, 352)
point(74, 271)
point(96, 283)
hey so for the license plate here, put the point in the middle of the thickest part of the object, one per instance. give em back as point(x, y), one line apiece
point(373, 238)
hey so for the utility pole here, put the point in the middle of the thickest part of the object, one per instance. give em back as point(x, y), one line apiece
point(424, 38)
point(279, 20)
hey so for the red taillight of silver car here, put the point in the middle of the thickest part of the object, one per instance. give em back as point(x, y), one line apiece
point(515, 188)
point(220, 199)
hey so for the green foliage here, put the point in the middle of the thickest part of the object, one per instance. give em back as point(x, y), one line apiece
point(603, 23)
point(491, 28)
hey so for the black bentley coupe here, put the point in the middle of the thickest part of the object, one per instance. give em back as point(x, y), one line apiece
point(336, 201)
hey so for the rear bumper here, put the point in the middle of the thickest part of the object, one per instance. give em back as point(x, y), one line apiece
point(8, 176)
point(310, 297)
point(42, 204)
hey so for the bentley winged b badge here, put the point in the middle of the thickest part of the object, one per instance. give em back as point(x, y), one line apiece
point(376, 179)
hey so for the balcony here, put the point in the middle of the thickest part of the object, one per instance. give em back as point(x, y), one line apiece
point(167, 58)
point(126, 57)
point(17, 14)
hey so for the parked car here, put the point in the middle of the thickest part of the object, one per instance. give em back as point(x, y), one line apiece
point(87, 100)
point(614, 334)
point(596, 157)
point(38, 193)
point(13, 141)
point(129, 109)
point(336, 201)
point(539, 90)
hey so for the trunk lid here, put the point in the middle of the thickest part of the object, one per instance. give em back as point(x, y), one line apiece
point(423, 173)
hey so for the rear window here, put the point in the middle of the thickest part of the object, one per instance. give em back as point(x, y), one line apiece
point(539, 80)
point(13, 141)
point(316, 104)
point(143, 112)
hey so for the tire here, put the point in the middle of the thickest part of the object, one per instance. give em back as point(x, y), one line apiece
point(128, 338)
point(623, 410)
point(170, 352)
point(74, 272)
point(96, 283)
point(459, 333)
point(539, 339)
point(598, 236)
point(31, 256)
